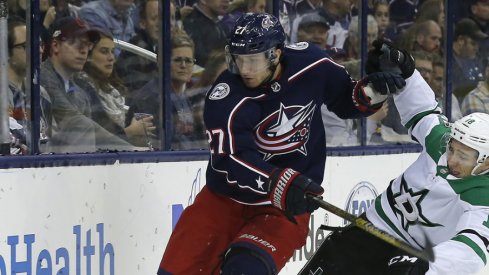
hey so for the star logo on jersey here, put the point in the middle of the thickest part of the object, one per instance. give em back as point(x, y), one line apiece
point(260, 183)
point(408, 206)
point(285, 131)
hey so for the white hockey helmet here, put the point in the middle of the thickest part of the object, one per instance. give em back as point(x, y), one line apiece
point(473, 131)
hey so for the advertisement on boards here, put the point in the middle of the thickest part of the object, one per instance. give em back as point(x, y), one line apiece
point(117, 219)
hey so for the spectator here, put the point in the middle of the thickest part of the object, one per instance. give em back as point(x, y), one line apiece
point(111, 16)
point(433, 10)
point(16, 70)
point(381, 15)
point(306, 6)
point(479, 12)
point(183, 8)
point(71, 39)
point(428, 36)
point(17, 8)
point(437, 84)
point(425, 36)
point(237, 8)
point(17, 65)
point(203, 27)
point(478, 99)
point(313, 28)
point(337, 13)
point(109, 108)
point(467, 67)
point(49, 13)
point(216, 64)
point(183, 136)
point(352, 43)
point(134, 70)
point(403, 11)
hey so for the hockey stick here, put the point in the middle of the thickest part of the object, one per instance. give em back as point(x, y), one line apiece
point(427, 254)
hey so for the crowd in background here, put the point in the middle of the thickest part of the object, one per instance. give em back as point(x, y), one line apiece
point(94, 96)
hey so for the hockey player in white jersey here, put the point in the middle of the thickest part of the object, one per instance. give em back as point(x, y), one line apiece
point(443, 195)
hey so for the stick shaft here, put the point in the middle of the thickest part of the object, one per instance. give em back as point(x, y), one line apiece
point(370, 228)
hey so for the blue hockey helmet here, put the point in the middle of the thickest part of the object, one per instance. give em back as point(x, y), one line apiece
point(254, 33)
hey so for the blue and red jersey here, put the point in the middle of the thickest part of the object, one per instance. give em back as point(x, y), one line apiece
point(253, 131)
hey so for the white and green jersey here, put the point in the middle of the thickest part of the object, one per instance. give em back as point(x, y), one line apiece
point(452, 212)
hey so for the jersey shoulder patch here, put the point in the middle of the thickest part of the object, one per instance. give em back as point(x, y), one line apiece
point(220, 91)
point(298, 46)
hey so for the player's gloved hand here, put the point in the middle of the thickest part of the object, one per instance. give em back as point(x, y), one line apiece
point(385, 57)
point(371, 92)
point(288, 189)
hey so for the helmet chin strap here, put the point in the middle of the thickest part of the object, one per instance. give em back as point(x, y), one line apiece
point(481, 173)
point(269, 78)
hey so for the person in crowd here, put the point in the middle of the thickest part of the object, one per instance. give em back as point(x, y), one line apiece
point(108, 105)
point(478, 11)
point(182, 130)
point(17, 8)
point(352, 43)
point(403, 11)
point(433, 10)
point(380, 11)
point(467, 66)
point(428, 37)
point(19, 112)
point(111, 16)
point(477, 100)
point(134, 70)
point(422, 36)
point(438, 201)
point(50, 12)
point(216, 64)
point(313, 28)
point(337, 13)
point(202, 25)
point(237, 8)
point(438, 85)
point(71, 40)
point(302, 7)
point(263, 125)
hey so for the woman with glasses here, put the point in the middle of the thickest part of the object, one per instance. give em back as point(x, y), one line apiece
point(148, 99)
point(106, 91)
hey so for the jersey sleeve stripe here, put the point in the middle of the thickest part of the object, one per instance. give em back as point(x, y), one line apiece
point(231, 118)
point(245, 164)
point(473, 245)
point(322, 60)
point(471, 231)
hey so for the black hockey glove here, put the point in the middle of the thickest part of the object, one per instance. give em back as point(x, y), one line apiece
point(288, 189)
point(385, 57)
point(371, 92)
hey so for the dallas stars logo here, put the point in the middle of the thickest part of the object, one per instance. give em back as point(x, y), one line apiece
point(408, 206)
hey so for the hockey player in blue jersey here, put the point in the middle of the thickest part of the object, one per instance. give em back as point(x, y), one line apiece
point(267, 146)
point(443, 196)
